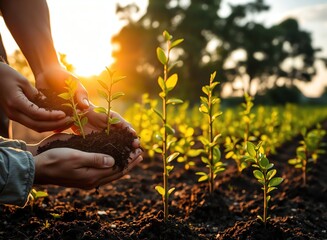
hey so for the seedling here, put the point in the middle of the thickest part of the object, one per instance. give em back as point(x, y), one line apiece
point(79, 119)
point(108, 96)
point(310, 148)
point(167, 84)
point(212, 157)
point(34, 195)
point(265, 174)
point(235, 146)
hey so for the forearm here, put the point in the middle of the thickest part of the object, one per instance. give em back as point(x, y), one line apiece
point(29, 23)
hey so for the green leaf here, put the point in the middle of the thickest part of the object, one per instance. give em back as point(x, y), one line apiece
point(174, 101)
point(161, 83)
point(100, 110)
point(204, 109)
point(275, 181)
point(270, 189)
point(176, 43)
point(171, 157)
point(264, 163)
point(65, 96)
point(40, 194)
point(161, 56)
point(259, 217)
point(206, 89)
point(102, 94)
point(114, 120)
point(158, 113)
point(271, 174)
point(103, 84)
point(250, 147)
point(117, 79)
point(171, 82)
point(194, 152)
point(258, 174)
point(84, 121)
point(205, 160)
point(204, 100)
point(117, 95)
point(160, 190)
point(169, 129)
point(203, 178)
point(170, 191)
point(167, 36)
point(169, 168)
point(67, 105)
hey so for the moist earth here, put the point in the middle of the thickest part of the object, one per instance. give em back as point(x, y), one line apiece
point(131, 208)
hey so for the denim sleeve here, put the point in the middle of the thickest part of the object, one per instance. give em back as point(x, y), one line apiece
point(17, 171)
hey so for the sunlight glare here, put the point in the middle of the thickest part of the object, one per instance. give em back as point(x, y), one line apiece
point(82, 30)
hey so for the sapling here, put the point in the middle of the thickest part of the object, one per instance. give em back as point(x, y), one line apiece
point(265, 174)
point(235, 146)
point(79, 118)
point(107, 94)
point(212, 157)
point(310, 148)
point(166, 83)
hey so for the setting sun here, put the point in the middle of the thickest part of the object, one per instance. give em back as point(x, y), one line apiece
point(82, 30)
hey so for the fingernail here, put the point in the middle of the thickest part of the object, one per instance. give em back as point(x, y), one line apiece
point(86, 102)
point(108, 161)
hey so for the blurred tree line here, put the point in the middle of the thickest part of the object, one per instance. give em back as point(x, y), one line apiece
point(271, 56)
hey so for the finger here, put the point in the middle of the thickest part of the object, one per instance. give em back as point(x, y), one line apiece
point(135, 154)
point(82, 97)
point(119, 174)
point(95, 160)
point(39, 125)
point(136, 143)
point(34, 112)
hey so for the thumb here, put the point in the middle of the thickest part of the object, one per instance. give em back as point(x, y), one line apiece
point(96, 160)
point(82, 98)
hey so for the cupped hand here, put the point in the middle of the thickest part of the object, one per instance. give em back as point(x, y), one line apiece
point(73, 168)
point(16, 95)
point(98, 122)
point(55, 77)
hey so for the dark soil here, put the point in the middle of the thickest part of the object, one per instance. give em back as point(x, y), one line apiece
point(130, 208)
point(117, 144)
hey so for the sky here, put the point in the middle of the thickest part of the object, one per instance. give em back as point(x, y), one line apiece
point(82, 30)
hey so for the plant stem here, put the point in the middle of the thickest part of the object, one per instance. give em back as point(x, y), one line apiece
point(78, 118)
point(164, 143)
point(109, 104)
point(265, 205)
point(211, 173)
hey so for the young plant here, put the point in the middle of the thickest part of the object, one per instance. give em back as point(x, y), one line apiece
point(167, 84)
point(310, 148)
point(212, 157)
point(108, 96)
point(79, 119)
point(265, 174)
point(236, 146)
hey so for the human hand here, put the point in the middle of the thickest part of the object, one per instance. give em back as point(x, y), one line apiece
point(16, 100)
point(55, 77)
point(72, 168)
point(98, 122)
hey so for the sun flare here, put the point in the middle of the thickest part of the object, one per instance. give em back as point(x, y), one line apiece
point(85, 35)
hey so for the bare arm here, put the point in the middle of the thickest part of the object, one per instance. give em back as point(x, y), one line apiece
point(29, 24)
